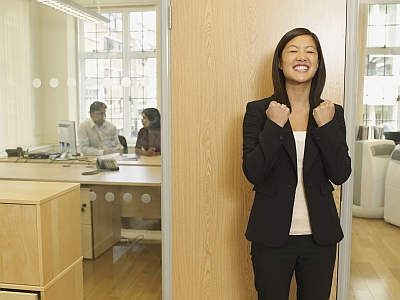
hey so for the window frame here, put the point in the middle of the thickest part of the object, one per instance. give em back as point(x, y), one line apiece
point(392, 50)
point(126, 55)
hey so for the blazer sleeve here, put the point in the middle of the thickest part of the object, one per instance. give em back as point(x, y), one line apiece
point(262, 138)
point(331, 140)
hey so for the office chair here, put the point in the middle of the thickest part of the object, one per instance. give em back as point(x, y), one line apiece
point(123, 142)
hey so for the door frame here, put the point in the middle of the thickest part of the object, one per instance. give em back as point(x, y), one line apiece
point(166, 158)
point(343, 285)
point(350, 104)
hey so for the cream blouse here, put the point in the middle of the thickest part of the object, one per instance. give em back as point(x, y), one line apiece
point(301, 218)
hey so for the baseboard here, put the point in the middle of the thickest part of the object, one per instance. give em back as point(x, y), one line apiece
point(147, 234)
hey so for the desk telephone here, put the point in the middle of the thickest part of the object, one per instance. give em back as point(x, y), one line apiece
point(15, 152)
point(107, 164)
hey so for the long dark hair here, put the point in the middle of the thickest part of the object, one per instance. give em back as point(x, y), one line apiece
point(154, 117)
point(278, 78)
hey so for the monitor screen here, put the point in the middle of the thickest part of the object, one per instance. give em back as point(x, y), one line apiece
point(392, 135)
point(67, 137)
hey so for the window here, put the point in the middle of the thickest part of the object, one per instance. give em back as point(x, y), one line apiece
point(118, 66)
point(382, 74)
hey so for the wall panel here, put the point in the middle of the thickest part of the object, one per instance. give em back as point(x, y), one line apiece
point(221, 55)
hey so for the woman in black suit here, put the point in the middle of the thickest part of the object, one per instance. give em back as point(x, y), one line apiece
point(294, 148)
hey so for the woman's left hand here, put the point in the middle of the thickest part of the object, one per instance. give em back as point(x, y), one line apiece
point(324, 113)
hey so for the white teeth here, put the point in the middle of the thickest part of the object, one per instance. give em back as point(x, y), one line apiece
point(301, 68)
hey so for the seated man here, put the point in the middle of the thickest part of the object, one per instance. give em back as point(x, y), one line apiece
point(97, 136)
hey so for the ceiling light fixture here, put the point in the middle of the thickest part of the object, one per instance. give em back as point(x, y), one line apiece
point(76, 10)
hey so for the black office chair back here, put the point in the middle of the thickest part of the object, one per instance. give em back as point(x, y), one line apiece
point(123, 142)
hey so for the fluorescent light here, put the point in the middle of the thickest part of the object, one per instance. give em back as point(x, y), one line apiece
point(75, 10)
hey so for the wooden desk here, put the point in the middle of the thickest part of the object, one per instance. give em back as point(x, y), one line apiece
point(117, 193)
point(90, 160)
point(137, 176)
point(40, 241)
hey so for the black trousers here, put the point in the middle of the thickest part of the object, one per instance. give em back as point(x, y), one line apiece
point(311, 263)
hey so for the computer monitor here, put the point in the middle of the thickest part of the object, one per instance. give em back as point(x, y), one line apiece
point(67, 138)
point(392, 135)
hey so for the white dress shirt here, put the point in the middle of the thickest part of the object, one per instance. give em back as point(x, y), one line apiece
point(93, 140)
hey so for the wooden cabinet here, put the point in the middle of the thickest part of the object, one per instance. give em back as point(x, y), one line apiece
point(100, 219)
point(40, 241)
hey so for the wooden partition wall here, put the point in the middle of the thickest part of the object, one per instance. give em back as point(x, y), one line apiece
point(221, 55)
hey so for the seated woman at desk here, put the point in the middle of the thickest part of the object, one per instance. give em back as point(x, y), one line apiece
point(149, 137)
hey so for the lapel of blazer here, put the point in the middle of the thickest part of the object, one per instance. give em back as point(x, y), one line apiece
point(290, 145)
point(311, 149)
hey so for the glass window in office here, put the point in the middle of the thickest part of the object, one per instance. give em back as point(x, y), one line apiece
point(118, 66)
point(382, 73)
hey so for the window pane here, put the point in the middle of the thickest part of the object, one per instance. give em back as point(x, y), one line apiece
point(393, 14)
point(383, 25)
point(143, 31)
point(380, 90)
point(393, 36)
point(377, 14)
point(105, 36)
point(376, 36)
point(385, 115)
point(387, 65)
point(144, 83)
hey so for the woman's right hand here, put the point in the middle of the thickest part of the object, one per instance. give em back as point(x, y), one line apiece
point(278, 113)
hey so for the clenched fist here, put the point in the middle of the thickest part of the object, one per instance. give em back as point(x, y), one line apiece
point(278, 113)
point(324, 113)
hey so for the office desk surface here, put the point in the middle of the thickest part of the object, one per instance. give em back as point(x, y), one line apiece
point(139, 175)
point(89, 160)
point(33, 192)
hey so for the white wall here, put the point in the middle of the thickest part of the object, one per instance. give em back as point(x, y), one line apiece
point(39, 42)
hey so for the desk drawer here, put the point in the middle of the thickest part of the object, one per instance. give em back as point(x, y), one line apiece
point(86, 224)
point(6, 295)
point(86, 213)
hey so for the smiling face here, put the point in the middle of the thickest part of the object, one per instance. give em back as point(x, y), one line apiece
point(299, 60)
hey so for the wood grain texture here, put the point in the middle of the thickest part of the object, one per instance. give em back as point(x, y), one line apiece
point(375, 260)
point(124, 272)
point(70, 287)
point(19, 253)
point(220, 59)
point(5, 295)
point(60, 227)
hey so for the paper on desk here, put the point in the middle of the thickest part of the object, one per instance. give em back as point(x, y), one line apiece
point(116, 156)
point(130, 157)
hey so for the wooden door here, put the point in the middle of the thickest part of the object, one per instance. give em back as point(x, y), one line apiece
point(221, 53)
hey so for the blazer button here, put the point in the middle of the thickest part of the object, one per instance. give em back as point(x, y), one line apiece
point(317, 137)
point(280, 138)
point(308, 184)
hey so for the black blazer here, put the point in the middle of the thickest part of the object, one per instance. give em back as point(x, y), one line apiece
point(270, 164)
